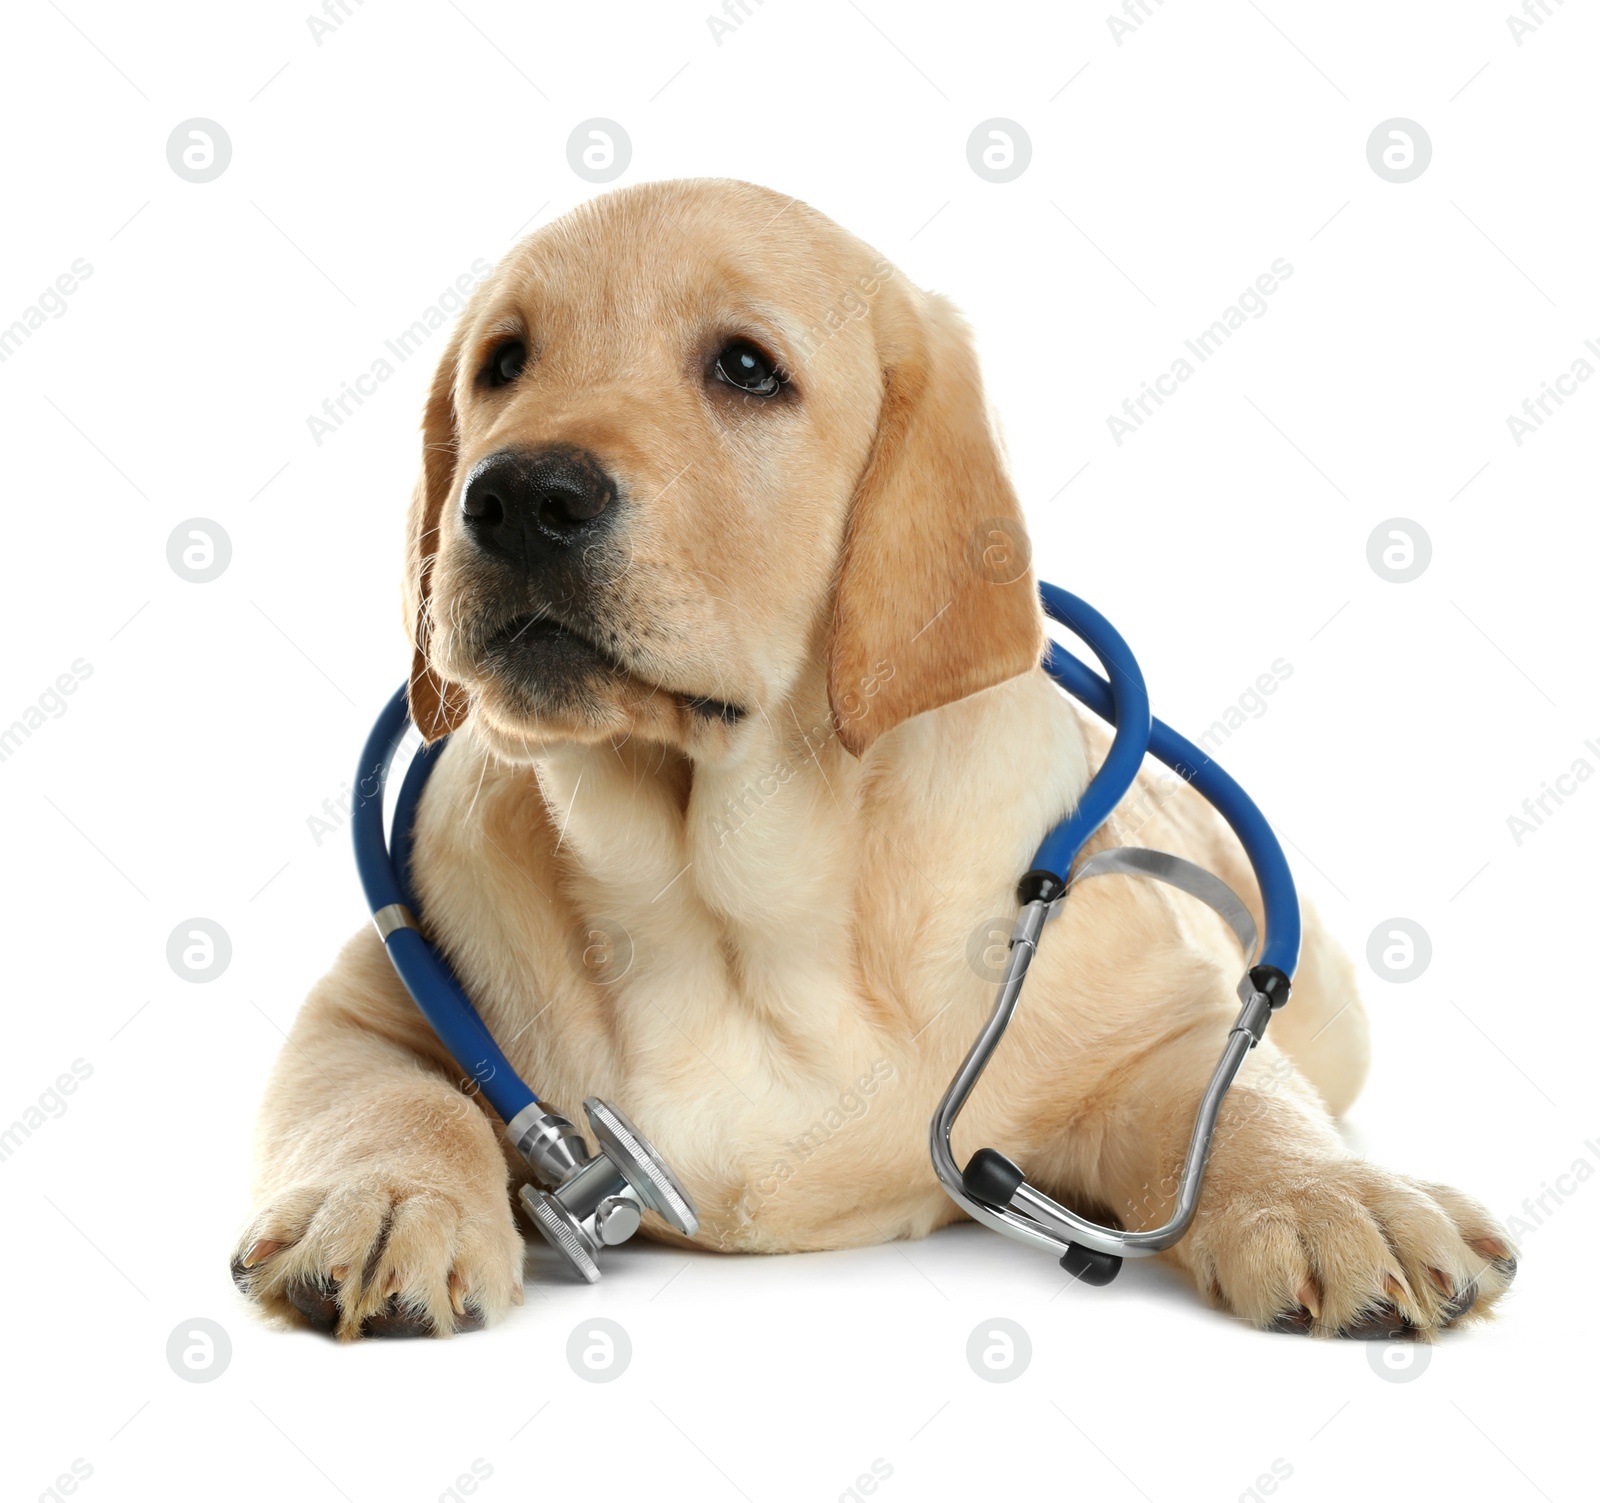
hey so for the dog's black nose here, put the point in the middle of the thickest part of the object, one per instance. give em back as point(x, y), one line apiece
point(526, 505)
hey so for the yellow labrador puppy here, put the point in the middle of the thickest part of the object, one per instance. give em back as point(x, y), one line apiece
point(751, 741)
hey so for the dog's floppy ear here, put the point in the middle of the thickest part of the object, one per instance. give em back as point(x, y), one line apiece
point(437, 707)
point(935, 597)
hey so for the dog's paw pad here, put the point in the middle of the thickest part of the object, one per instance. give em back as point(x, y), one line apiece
point(1295, 1322)
point(316, 1299)
point(1380, 1323)
point(397, 1318)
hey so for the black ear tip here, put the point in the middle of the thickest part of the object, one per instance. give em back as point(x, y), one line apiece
point(991, 1177)
point(1090, 1267)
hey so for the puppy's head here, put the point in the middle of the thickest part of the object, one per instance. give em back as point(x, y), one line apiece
point(686, 443)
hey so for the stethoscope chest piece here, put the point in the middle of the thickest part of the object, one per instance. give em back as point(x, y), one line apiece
point(598, 1201)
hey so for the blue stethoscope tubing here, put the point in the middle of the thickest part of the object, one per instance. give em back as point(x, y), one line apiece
point(1121, 700)
point(1014, 1207)
point(421, 968)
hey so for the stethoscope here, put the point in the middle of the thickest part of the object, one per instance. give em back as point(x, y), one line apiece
point(584, 1201)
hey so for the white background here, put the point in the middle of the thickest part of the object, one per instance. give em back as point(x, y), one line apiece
point(1167, 173)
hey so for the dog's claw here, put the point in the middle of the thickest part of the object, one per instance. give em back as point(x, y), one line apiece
point(1395, 1286)
point(1460, 1304)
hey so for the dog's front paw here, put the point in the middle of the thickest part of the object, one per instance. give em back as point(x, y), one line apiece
point(378, 1253)
point(1343, 1248)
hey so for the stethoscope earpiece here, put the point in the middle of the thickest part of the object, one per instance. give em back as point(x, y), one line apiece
point(1090, 1267)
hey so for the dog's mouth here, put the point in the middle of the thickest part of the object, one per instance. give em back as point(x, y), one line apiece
point(554, 665)
point(537, 647)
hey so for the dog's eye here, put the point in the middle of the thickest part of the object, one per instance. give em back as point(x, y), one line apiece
point(505, 363)
point(743, 366)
